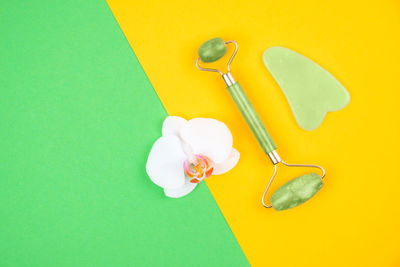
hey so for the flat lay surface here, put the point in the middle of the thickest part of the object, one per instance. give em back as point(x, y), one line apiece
point(86, 85)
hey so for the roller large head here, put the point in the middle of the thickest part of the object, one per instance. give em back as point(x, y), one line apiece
point(296, 192)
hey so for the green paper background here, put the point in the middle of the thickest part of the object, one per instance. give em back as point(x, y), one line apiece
point(77, 120)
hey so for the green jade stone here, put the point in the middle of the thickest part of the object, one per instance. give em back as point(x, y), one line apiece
point(296, 192)
point(212, 50)
point(310, 90)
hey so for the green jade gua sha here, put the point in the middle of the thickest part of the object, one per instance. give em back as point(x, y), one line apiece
point(310, 90)
point(291, 194)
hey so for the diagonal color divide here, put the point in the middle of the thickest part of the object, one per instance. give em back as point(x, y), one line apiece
point(78, 118)
point(343, 225)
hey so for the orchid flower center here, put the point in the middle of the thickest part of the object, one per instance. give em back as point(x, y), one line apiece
point(199, 168)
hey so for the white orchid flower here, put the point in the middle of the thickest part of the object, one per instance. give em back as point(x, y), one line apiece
point(188, 152)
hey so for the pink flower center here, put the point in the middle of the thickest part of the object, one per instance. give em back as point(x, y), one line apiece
point(198, 170)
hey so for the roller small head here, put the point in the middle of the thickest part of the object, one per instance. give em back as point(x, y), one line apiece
point(212, 50)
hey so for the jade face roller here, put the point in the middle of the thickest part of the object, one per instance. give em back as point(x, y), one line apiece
point(298, 190)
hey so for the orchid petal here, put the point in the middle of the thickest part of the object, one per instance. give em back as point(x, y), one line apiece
point(208, 137)
point(165, 162)
point(180, 191)
point(173, 125)
point(228, 164)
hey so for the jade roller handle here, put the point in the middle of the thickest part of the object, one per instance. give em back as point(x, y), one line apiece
point(249, 113)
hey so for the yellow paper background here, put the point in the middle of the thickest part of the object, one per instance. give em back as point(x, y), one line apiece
point(355, 218)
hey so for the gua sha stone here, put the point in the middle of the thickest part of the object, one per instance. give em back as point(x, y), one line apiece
point(311, 90)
